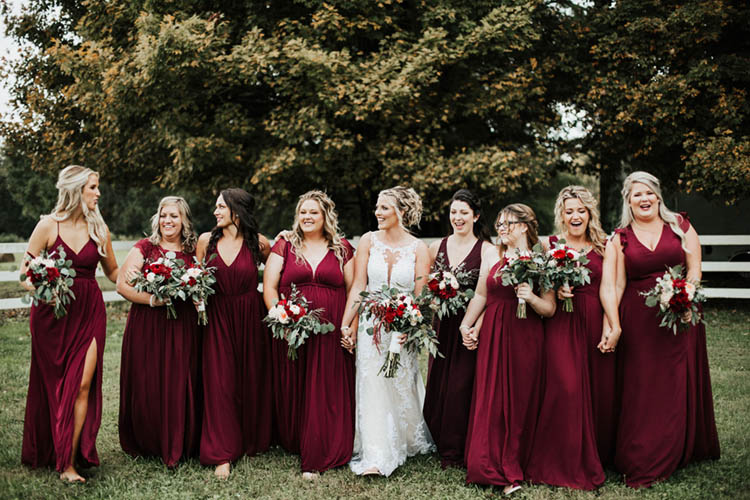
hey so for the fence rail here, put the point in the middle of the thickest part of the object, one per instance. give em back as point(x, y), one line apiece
point(707, 267)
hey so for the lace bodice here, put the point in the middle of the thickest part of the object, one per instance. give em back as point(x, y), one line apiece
point(392, 266)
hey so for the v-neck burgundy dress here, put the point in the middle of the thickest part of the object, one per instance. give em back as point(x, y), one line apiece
point(507, 389)
point(579, 379)
point(160, 388)
point(451, 379)
point(314, 394)
point(666, 417)
point(236, 368)
point(58, 355)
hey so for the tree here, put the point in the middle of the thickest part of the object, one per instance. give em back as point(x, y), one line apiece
point(350, 96)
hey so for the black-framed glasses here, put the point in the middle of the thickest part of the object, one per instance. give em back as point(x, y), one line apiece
point(507, 224)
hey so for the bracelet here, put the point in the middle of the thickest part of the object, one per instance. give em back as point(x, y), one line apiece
point(462, 327)
point(345, 328)
point(151, 300)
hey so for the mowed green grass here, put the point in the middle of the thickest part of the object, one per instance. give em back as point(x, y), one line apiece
point(276, 474)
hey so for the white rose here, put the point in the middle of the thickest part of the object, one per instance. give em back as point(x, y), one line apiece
point(454, 283)
point(273, 313)
point(442, 285)
point(48, 263)
point(283, 317)
point(194, 272)
point(690, 289)
point(294, 308)
point(150, 277)
point(665, 297)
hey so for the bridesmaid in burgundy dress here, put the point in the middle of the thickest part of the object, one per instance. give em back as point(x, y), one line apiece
point(236, 346)
point(314, 395)
point(666, 418)
point(508, 380)
point(159, 375)
point(451, 379)
point(578, 408)
point(64, 403)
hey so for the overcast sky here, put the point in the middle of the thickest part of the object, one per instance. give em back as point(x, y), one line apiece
point(8, 50)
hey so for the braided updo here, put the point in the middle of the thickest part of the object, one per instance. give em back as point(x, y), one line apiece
point(407, 203)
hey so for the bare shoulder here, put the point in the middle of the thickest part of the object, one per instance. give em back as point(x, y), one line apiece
point(489, 251)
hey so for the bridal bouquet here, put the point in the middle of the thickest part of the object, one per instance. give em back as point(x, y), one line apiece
point(394, 311)
point(292, 319)
point(567, 267)
point(443, 292)
point(196, 281)
point(675, 295)
point(160, 279)
point(525, 267)
point(52, 275)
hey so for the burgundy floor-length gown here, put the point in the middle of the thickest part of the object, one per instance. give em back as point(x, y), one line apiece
point(236, 365)
point(507, 389)
point(451, 379)
point(160, 387)
point(666, 418)
point(58, 355)
point(565, 451)
point(314, 394)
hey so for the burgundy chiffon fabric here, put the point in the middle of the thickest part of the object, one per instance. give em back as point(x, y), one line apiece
point(160, 388)
point(451, 379)
point(667, 418)
point(58, 354)
point(236, 368)
point(507, 389)
point(565, 446)
point(314, 395)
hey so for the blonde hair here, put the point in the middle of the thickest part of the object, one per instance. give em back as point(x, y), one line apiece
point(331, 231)
point(189, 239)
point(594, 232)
point(70, 183)
point(522, 213)
point(665, 214)
point(407, 203)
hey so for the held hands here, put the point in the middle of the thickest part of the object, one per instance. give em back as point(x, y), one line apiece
point(565, 292)
point(348, 338)
point(687, 316)
point(610, 337)
point(469, 337)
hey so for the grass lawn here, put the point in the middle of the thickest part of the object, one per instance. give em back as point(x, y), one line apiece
point(276, 474)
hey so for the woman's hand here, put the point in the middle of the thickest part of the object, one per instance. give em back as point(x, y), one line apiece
point(565, 292)
point(28, 286)
point(525, 292)
point(469, 336)
point(155, 302)
point(401, 339)
point(348, 338)
point(687, 316)
point(610, 337)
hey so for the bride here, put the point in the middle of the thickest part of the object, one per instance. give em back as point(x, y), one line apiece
point(389, 426)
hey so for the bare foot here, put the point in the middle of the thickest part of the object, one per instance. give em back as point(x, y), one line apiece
point(310, 476)
point(71, 475)
point(511, 488)
point(222, 471)
point(372, 471)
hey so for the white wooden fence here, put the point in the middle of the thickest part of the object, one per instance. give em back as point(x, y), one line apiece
point(708, 267)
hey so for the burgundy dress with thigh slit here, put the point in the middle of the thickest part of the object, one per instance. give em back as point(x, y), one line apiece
point(666, 418)
point(507, 389)
point(58, 355)
point(160, 388)
point(236, 365)
point(314, 394)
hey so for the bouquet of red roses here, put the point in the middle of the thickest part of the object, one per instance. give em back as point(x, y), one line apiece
point(160, 279)
point(443, 292)
point(525, 267)
point(399, 313)
point(196, 281)
point(293, 320)
point(52, 275)
point(675, 295)
point(566, 267)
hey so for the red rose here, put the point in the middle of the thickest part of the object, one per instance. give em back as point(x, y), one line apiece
point(559, 254)
point(52, 274)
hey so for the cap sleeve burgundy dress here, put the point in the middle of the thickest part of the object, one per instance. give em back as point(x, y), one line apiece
point(236, 370)
point(160, 401)
point(58, 354)
point(578, 406)
point(314, 395)
point(666, 417)
point(507, 389)
point(451, 379)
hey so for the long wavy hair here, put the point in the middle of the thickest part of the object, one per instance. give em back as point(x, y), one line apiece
point(522, 213)
point(666, 214)
point(331, 231)
point(187, 234)
point(70, 183)
point(406, 202)
point(480, 228)
point(594, 232)
point(241, 205)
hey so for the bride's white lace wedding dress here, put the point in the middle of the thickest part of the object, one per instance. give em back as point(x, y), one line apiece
point(389, 422)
